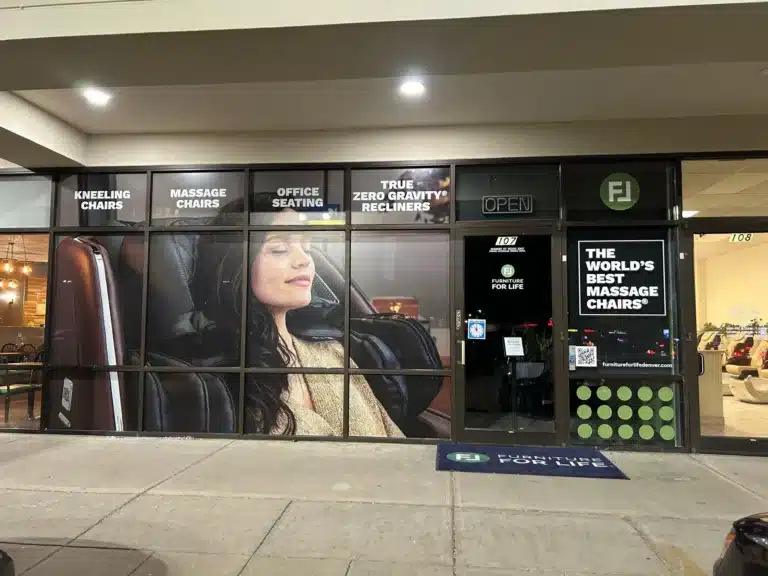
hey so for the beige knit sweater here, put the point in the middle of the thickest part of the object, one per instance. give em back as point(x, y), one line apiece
point(367, 417)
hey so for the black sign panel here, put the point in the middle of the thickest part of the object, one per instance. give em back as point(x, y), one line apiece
point(102, 200)
point(401, 196)
point(316, 195)
point(522, 204)
point(622, 278)
point(198, 197)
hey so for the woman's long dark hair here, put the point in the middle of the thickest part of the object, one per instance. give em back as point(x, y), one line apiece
point(265, 348)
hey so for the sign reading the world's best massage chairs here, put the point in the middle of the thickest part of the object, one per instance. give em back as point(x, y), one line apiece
point(618, 275)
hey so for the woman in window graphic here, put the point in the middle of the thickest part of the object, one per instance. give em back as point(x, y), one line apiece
point(281, 275)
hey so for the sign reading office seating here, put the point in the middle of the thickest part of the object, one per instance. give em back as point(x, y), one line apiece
point(622, 278)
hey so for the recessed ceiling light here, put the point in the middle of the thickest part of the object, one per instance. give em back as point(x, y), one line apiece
point(689, 213)
point(412, 88)
point(96, 96)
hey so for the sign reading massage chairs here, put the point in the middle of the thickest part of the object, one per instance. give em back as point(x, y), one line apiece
point(622, 278)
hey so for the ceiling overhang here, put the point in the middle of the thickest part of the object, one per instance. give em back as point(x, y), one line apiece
point(563, 41)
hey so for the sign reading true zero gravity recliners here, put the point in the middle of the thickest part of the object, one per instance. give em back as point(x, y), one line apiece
point(622, 278)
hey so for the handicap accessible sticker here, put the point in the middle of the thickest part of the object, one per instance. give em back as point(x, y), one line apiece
point(476, 329)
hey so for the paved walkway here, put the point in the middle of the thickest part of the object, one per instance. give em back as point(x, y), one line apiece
point(151, 507)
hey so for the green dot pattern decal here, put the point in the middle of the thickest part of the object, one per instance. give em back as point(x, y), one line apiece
point(584, 412)
point(604, 393)
point(614, 413)
point(604, 412)
point(624, 412)
point(645, 413)
point(645, 394)
point(667, 413)
point(667, 432)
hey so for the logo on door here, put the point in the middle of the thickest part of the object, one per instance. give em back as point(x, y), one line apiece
point(507, 271)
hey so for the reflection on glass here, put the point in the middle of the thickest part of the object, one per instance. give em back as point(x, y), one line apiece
point(401, 196)
point(508, 363)
point(80, 399)
point(317, 195)
point(732, 339)
point(102, 200)
point(725, 188)
point(25, 202)
point(96, 308)
point(403, 275)
point(419, 405)
point(197, 198)
point(193, 403)
point(194, 304)
point(613, 331)
point(21, 389)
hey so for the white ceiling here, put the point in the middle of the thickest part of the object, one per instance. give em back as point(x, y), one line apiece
point(538, 96)
point(726, 188)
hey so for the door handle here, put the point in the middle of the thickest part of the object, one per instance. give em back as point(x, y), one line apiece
point(461, 355)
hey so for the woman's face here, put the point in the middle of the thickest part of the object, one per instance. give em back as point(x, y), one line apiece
point(283, 270)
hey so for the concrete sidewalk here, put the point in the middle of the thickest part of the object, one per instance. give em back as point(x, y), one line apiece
point(152, 507)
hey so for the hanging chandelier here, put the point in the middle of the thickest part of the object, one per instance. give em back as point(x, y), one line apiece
point(11, 266)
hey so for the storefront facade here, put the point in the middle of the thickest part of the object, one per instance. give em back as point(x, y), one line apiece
point(534, 302)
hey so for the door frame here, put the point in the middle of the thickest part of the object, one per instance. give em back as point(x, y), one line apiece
point(697, 441)
point(559, 337)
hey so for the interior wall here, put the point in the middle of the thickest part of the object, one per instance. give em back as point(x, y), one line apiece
point(675, 135)
point(734, 285)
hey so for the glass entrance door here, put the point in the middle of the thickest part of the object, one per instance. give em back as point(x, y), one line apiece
point(510, 358)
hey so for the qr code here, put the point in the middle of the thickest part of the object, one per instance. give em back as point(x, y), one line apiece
point(586, 356)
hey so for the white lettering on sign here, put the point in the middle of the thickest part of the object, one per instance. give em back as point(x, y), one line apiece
point(397, 196)
point(298, 197)
point(102, 199)
point(622, 277)
point(198, 197)
point(506, 240)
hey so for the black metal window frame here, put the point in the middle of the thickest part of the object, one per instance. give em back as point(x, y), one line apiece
point(674, 224)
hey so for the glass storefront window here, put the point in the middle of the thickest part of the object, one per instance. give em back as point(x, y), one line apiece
point(399, 314)
point(401, 196)
point(617, 191)
point(301, 405)
point(714, 188)
point(621, 317)
point(25, 202)
point(732, 334)
point(96, 300)
point(191, 402)
point(194, 299)
point(198, 198)
point(295, 298)
point(507, 192)
point(102, 200)
point(316, 195)
point(80, 399)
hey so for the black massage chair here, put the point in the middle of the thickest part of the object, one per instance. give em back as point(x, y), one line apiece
point(206, 402)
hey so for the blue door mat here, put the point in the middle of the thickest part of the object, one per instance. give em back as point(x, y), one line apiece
point(488, 459)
